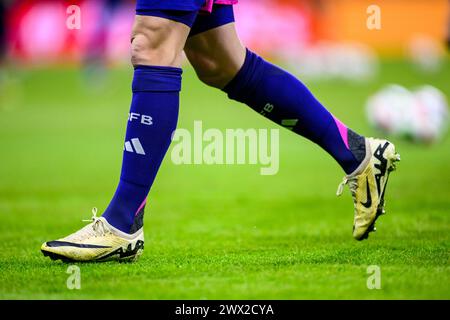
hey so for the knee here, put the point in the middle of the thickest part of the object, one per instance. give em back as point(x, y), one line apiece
point(212, 71)
point(154, 42)
point(208, 70)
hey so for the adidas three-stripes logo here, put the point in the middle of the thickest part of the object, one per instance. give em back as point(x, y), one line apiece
point(134, 145)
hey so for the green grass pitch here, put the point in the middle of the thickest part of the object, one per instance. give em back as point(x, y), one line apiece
point(214, 232)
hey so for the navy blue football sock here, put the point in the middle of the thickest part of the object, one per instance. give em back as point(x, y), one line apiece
point(152, 119)
point(282, 98)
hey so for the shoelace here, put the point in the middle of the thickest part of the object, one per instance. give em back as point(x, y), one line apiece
point(97, 223)
point(351, 184)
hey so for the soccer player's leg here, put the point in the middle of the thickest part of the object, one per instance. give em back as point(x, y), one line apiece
point(221, 61)
point(157, 44)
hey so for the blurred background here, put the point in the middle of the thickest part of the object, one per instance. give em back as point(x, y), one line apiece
point(64, 99)
point(290, 27)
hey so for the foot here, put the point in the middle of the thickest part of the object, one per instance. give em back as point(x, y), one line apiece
point(98, 241)
point(368, 185)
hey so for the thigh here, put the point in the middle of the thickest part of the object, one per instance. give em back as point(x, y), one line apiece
point(213, 38)
point(213, 35)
